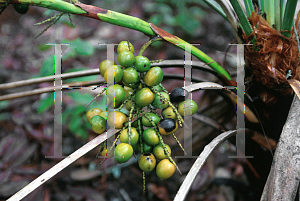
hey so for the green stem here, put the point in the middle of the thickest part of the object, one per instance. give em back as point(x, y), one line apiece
point(128, 22)
point(288, 18)
point(146, 45)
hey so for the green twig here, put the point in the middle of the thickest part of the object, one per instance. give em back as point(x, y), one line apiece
point(70, 20)
point(163, 88)
point(152, 40)
point(96, 97)
point(47, 20)
point(58, 17)
point(140, 132)
point(179, 144)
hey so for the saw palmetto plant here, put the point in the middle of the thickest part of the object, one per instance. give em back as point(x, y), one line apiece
point(268, 30)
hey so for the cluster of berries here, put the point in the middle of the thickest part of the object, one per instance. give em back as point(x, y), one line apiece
point(137, 87)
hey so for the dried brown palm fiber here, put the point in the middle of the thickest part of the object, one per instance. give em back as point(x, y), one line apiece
point(272, 56)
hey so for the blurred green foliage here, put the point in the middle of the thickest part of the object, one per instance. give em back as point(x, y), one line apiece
point(170, 15)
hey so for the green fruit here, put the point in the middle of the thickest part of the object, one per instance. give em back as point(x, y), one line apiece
point(124, 136)
point(103, 114)
point(123, 46)
point(134, 85)
point(135, 124)
point(167, 126)
point(150, 137)
point(154, 76)
point(136, 147)
point(128, 105)
point(142, 64)
point(21, 8)
point(98, 124)
point(189, 105)
point(159, 102)
point(126, 59)
point(92, 112)
point(157, 88)
point(159, 151)
point(116, 119)
point(105, 151)
point(123, 152)
point(165, 169)
point(116, 73)
point(154, 117)
point(147, 162)
point(116, 92)
point(128, 91)
point(112, 103)
point(104, 65)
point(169, 113)
point(144, 97)
point(130, 76)
point(146, 148)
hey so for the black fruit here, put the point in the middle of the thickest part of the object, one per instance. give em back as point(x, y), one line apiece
point(178, 94)
point(21, 8)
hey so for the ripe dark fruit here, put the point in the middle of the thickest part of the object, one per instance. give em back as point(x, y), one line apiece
point(142, 64)
point(167, 126)
point(147, 162)
point(178, 94)
point(165, 169)
point(21, 8)
point(123, 152)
